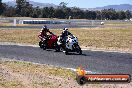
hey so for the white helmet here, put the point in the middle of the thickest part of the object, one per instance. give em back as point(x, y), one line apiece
point(65, 29)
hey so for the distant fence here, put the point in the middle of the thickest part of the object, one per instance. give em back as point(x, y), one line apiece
point(8, 22)
point(41, 22)
point(57, 23)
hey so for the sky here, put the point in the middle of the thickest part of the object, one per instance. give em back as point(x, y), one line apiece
point(85, 3)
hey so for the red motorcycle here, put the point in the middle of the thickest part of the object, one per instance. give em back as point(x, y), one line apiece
point(50, 43)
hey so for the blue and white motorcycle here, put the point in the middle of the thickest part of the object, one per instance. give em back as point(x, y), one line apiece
point(70, 45)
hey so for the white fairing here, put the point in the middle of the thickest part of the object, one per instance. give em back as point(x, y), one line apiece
point(70, 41)
point(58, 42)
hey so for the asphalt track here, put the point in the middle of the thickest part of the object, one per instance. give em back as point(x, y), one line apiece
point(95, 61)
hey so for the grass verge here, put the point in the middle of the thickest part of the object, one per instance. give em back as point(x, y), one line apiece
point(19, 74)
point(107, 38)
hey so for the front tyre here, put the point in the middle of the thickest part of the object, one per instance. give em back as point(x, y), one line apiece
point(40, 44)
point(78, 50)
point(57, 48)
point(44, 47)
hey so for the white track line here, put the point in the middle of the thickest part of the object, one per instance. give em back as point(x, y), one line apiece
point(72, 69)
point(87, 71)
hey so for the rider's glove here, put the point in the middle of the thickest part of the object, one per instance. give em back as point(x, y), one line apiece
point(44, 39)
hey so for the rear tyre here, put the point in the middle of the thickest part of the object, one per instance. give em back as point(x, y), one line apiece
point(66, 52)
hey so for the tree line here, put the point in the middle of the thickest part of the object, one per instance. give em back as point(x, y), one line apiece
point(25, 9)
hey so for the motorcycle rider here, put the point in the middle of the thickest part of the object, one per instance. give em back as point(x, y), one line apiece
point(64, 35)
point(43, 36)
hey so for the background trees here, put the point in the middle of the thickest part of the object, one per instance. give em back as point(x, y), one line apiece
point(25, 9)
point(2, 7)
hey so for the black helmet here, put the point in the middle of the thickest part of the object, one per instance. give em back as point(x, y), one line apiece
point(44, 27)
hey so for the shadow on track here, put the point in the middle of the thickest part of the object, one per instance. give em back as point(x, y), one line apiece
point(71, 53)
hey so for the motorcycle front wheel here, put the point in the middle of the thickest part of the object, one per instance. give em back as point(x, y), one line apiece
point(78, 50)
point(57, 48)
point(40, 44)
point(44, 46)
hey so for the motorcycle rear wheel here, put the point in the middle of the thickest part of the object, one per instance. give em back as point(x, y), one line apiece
point(66, 52)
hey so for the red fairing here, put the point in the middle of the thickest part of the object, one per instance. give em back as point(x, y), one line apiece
point(52, 40)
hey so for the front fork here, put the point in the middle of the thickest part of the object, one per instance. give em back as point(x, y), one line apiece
point(75, 46)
